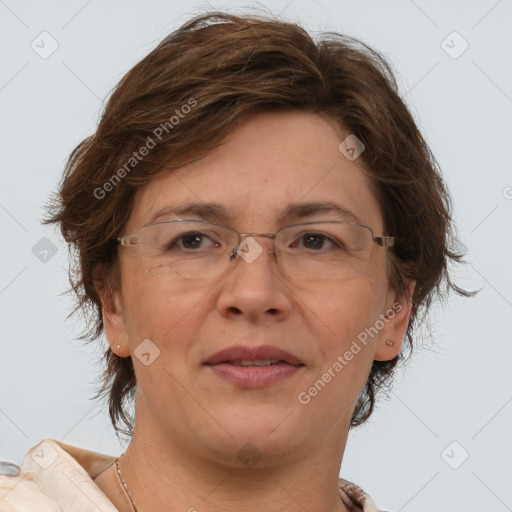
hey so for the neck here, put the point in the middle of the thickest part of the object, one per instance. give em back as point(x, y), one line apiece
point(160, 472)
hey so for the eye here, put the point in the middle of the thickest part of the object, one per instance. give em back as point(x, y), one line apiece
point(192, 241)
point(317, 241)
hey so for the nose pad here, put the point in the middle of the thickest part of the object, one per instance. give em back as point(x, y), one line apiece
point(250, 249)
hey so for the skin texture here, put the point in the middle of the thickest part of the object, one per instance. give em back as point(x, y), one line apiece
point(190, 423)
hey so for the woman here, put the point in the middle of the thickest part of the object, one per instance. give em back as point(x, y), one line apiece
point(258, 225)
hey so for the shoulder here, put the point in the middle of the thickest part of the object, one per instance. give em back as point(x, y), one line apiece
point(52, 479)
point(19, 491)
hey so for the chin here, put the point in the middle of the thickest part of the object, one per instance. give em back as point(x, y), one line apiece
point(263, 432)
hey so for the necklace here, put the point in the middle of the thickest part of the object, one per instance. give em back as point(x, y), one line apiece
point(125, 487)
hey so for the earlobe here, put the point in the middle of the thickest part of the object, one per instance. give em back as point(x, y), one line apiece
point(395, 320)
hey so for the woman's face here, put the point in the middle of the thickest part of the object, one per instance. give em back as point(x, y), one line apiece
point(272, 161)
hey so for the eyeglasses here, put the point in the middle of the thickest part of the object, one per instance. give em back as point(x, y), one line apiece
point(198, 249)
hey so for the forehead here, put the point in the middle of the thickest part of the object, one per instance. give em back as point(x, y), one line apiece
point(263, 172)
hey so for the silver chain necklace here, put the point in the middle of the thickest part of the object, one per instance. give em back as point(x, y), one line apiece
point(125, 487)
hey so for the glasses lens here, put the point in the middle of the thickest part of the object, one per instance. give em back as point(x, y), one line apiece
point(186, 249)
point(324, 250)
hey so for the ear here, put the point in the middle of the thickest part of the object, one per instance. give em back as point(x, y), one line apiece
point(396, 320)
point(114, 320)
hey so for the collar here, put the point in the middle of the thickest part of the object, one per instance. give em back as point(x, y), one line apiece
point(56, 476)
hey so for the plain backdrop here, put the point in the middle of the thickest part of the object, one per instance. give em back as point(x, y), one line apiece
point(442, 440)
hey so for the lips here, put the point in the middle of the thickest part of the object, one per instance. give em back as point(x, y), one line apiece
point(256, 367)
point(258, 356)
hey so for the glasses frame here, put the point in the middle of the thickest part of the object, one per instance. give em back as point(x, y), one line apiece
point(132, 240)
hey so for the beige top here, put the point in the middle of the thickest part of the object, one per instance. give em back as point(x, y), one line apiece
point(57, 477)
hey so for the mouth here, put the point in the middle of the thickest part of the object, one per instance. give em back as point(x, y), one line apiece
point(263, 355)
point(254, 367)
point(258, 362)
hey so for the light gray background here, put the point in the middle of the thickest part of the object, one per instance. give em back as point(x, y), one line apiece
point(459, 389)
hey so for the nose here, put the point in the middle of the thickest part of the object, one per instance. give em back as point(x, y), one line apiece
point(254, 287)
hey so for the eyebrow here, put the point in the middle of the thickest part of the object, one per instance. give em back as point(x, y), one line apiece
point(217, 212)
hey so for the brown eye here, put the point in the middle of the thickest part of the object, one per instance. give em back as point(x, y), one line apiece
point(191, 242)
point(316, 241)
point(313, 241)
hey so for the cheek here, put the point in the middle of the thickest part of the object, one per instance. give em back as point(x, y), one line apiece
point(335, 319)
point(341, 310)
point(155, 308)
point(340, 319)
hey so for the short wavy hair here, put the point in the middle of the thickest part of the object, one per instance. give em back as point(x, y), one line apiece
point(193, 90)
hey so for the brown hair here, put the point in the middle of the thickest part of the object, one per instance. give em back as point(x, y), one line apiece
point(192, 90)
